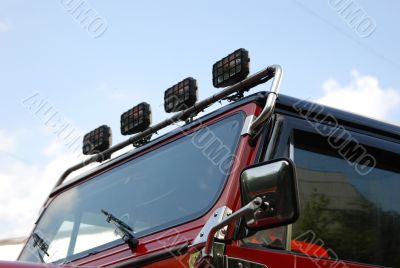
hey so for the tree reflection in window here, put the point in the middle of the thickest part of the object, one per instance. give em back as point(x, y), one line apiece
point(357, 217)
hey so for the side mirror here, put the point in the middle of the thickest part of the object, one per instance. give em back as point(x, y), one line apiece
point(275, 183)
point(270, 199)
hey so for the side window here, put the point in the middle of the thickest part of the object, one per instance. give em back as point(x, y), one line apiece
point(347, 214)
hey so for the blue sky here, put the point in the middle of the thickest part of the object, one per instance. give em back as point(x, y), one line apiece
point(150, 45)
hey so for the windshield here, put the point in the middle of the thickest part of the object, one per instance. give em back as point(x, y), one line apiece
point(170, 185)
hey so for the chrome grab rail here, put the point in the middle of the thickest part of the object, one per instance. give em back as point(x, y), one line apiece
point(271, 99)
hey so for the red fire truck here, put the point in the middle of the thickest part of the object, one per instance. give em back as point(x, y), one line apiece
point(265, 181)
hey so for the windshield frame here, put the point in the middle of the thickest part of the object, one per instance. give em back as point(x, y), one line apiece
point(137, 154)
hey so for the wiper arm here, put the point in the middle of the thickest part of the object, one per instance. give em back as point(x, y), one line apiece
point(123, 230)
point(41, 245)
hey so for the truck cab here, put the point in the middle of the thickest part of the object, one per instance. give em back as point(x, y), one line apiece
point(265, 181)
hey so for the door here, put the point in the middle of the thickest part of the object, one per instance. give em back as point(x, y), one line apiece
point(350, 206)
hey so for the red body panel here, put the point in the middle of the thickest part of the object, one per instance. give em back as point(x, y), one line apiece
point(181, 234)
point(186, 233)
point(273, 259)
point(305, 261)
point(15, 264)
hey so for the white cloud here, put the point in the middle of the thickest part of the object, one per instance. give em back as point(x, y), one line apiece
point(7, 142)
point(10, 252)
point(25, 186)
point(363, 95)
point(54, 148)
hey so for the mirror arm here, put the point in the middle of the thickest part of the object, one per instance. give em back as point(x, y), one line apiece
point(248, 209)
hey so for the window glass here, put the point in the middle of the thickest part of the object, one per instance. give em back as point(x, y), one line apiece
point(59, 245)
point(170, 185)
point(345, 214)
point(274, 238)
point(91, 234)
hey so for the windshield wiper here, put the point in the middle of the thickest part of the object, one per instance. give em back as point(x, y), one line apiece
point(41, 245)
point(123, 229)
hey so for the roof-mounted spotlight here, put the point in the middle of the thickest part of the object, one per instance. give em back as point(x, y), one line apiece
point(181, 96)
point(137, 119)
point(231, 69)
point(97, 140)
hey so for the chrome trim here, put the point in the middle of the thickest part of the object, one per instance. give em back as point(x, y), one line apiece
point(247, 124)
point(271, 99)
point(244, 211)
point(218, 216)
point(289, 231)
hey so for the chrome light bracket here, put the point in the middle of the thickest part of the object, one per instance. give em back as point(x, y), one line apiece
point(206, 256)
point(246, 130)
point(271, 99)
point(218, 216)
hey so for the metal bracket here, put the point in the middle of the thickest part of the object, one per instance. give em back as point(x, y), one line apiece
point(218, 216)
point(206, 257)
point(247, 125)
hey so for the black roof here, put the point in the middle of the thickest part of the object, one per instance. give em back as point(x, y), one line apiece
point(284, 105)
point(346, 119)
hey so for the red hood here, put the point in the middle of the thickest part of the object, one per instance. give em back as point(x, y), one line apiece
point(18, 264)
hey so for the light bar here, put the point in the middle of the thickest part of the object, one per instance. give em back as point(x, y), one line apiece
point(181, 96)
point(136, 119)
point(97, 140)
point(231, 69)
point(272, 72)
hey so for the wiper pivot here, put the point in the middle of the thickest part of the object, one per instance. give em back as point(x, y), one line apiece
point(41, 245)
point(123, 230)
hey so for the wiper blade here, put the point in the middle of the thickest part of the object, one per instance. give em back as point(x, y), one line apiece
point(123, 230)
point(41, 245)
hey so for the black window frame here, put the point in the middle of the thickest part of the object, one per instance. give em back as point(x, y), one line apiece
point(270, 148)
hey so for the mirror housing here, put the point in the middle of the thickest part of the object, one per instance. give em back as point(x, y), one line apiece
point(276, 184)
